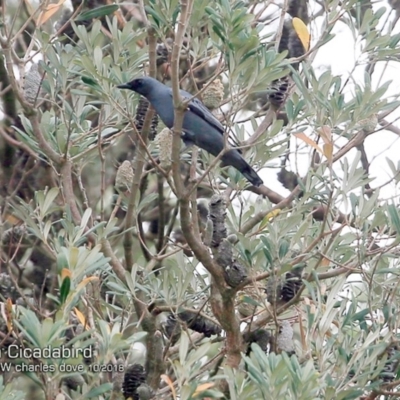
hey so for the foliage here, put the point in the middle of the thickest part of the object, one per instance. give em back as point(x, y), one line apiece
point(130, 273)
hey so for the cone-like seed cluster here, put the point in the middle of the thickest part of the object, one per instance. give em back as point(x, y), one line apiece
point(389, 372)
point(140, 116)
point(193, 321)
point(162, 52)
point(217, 216)
point(368, 125)
point(32, 84)
point(292, 285)
point(224, 256)
point(124, 178)
point(279, 91)
point(15, 240)
point(75, 329)
point(13, 236)
point(164, 142)
point(202, 212)
point(291, 43)
point(213, 95)
point(134, 377)
point(288, 179)
point(145, 392)
point(274, 290)
point(284, 341)
point(283, 290)
point(199, 324)
point(7, 288)
point(172, 328)
point(73, 382)
point(235, 274)
point(118, 377)
point(260, 336)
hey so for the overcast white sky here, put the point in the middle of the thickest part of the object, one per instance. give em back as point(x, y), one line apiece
point(340, 55)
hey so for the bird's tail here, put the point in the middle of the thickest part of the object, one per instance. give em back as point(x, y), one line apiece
point(252, 176)
point(233, 157)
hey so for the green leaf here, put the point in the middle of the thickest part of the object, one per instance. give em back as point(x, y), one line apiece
point(97, 391)
point(85, 218)
point(48, 201)
point(267, 249)
point(8, 393)
point(249, 300)
point(183, 347)
point(64, 290)
point(198, 354)
point(283, 248)
point(91, 82)
point(360, 316)
point(98, 12)
point(394, 217)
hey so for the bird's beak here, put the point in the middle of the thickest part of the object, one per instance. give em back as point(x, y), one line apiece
point(123, 86)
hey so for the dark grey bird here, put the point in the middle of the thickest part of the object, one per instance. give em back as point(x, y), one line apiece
point(200, 127)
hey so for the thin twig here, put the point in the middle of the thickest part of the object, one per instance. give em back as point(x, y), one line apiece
point(102, 164)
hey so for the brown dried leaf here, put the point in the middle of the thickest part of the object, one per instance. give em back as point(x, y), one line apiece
point(85, 281)
point(81, 318)
point(9, 315)
point(65, 272)
point(168, 381)
point(325, 262)
point(203, 387)
point(302, 136)
point(328, 152)
point(48, 12)
point(302, 335)
point(326, 134)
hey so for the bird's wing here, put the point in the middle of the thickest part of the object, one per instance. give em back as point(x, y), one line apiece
point(198, 108)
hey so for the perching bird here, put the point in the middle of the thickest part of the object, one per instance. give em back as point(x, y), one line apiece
point(200, 127)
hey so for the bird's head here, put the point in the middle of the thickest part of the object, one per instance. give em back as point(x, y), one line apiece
point(142, 85)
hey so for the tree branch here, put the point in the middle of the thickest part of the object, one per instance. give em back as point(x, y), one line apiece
point(29, 111)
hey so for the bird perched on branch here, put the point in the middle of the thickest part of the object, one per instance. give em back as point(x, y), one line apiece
point(200, 127)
